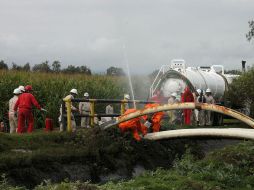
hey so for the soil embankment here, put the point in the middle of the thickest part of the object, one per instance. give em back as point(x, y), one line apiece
point(92, 154)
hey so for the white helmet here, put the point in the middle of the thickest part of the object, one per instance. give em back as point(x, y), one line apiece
point(21, 88)
point(74, 91)
point(174, 94)
point(86, 94)
point(198, 91)
point(208, 90)
point(127, 96)
point(17, 91)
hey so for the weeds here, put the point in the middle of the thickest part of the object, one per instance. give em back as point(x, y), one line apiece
point(217, 171)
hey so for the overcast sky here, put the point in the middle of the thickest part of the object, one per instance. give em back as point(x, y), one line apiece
point(94, 32)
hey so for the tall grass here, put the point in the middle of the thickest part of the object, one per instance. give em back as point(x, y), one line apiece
point(49, 89)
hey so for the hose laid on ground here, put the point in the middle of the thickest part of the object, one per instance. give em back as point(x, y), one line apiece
point(211, 107)
point(210, 132)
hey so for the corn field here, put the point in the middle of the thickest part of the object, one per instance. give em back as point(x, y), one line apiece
point(50, 88)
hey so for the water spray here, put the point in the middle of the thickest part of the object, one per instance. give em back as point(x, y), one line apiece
point(128, 73)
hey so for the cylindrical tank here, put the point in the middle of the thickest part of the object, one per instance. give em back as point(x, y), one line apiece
point(175, 80)
point(175, 77)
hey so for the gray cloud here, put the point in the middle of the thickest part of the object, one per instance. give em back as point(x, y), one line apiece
point(93, 32)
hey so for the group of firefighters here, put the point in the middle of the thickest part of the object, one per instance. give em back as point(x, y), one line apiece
point(200, 117)
point(20, 110)
point(84, 108)
point(141, 125)
point(21, 118)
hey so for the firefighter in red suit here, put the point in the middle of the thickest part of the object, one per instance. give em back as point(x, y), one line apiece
point(187, 96)
point(157, 97)
point(24, 106)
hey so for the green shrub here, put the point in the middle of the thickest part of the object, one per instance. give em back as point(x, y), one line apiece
point(229, 168)
point(66, 186)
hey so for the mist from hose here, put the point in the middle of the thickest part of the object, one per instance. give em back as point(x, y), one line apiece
point(128, 74)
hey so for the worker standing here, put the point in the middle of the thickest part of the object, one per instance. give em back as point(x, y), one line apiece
point(187, 96)
point(157, 97)
point(109, 110)
point(73, 93)
point(85, 108)
point(24, 106)
point(196, 111)
point(126, 98)
point(201, 113)
point(172, 113)
point(13, 120)
point(209, 100)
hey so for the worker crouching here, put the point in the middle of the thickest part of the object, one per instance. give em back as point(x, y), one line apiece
point(134, 125)
point(153, 120)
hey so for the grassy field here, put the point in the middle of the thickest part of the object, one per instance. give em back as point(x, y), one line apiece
point(49, 89)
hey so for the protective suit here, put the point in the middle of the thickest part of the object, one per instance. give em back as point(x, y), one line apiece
point(109, 110)
point(24, 105)
point(85, 108)
point(187, 96)
point(73, 122)
point(196, 112)
point(209, 100)
point(13, 120)
point(158, 97)
point(172, 113)
point(134, 125)
point(154, 119)
point(126, 105)
point(201, 116)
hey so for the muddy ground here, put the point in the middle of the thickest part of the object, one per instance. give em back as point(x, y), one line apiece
point(90, 155)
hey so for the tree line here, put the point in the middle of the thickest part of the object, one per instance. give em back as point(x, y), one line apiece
point(55, 67)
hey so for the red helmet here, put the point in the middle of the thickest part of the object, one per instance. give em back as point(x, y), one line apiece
point(28, 88)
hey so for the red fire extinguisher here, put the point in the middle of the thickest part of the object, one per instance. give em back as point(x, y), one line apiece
point(48, 121)
point(48, 124)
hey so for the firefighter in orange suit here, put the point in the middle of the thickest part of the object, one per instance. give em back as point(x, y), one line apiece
point(153, 120)
point(134, 125)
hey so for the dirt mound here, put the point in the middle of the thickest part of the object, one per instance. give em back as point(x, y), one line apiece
point(90, 154)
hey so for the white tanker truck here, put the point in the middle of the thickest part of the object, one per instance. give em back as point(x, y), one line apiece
point(176, 76)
